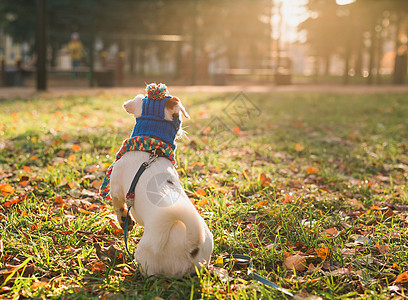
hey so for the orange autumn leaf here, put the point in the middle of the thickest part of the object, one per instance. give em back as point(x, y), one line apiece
point(34, 157)
point(201, 192)
point(98, 267)
point(40, 284)
point(116, 230)
point(323, 253)
point(236, 130)
point(76, 147)
point(27, 169)
point(299, 147)
point(6, 189)
point(96, 184)
point(35, 226)
point(81, 210)
point(58, 199)
point(332, 231)
point(198, 164)
point(202, 202)
point(296, 262)
point(265, 180)
point(23, 183)
point(382, 249)
point(312, 170)
point(288, 198)
point(12, 202)
point(261, 204)
point(402, 278)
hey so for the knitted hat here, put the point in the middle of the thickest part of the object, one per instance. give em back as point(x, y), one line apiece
point(152, 122)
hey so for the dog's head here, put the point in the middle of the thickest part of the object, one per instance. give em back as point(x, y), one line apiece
point(173, 107)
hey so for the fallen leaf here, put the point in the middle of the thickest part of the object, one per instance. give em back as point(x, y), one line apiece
point(96, 184)
point(14, 201)
point(402, 278)
point(23, 183)
point(27, 169)
point(382, 249)
point(299, 147)
point(201, 192)
point(296, 262)
point(202, 202)
point(323, 253)
point(76, 148)
point(117, 231)
point(340, 272)
point(288, 198)
point(35, 226)
point(362, 240)
point(39, 284)
point(265, 180)
point(355, 203)
point(261, 204)
point(236, 130)
point(6, 189)
point(98, 267)
point(312, 170)
point(332, 231)
point(110, 255)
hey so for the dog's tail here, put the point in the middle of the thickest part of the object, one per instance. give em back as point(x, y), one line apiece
point(169, 216)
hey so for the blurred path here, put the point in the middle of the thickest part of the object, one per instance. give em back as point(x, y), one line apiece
point(24, 92)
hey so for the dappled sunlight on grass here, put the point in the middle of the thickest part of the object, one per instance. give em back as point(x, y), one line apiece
point(313, 187)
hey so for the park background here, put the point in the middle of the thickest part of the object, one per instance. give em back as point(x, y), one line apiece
point(296, 153)
point(127, 43)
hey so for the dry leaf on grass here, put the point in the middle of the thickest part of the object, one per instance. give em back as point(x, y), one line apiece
point(382, 249)
point(402, 278)
point(296, 262)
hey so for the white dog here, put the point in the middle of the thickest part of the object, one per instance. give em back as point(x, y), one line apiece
point(176, 240)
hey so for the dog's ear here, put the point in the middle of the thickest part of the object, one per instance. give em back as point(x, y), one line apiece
point(173, 108)
point(134, 106)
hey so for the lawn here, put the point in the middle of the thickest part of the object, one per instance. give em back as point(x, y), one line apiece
point(312, 186)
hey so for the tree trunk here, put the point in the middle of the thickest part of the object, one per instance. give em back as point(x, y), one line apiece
point(400, 63)
point(327, 65)
point(132, 58)
point(372, 54)
point(379, 57)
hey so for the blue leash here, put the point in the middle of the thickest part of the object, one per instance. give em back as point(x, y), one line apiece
point(125, 233)
point(256, 276)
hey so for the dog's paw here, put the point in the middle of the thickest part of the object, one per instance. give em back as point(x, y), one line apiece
point(121, 220)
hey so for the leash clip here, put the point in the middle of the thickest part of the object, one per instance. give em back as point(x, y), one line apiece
point(152, 158)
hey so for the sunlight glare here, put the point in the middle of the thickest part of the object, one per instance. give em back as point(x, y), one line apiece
point(344, 2)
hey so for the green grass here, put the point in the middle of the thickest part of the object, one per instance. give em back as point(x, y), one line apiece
point(318, 175)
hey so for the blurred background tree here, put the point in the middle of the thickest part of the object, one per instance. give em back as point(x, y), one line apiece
point(196, 37)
